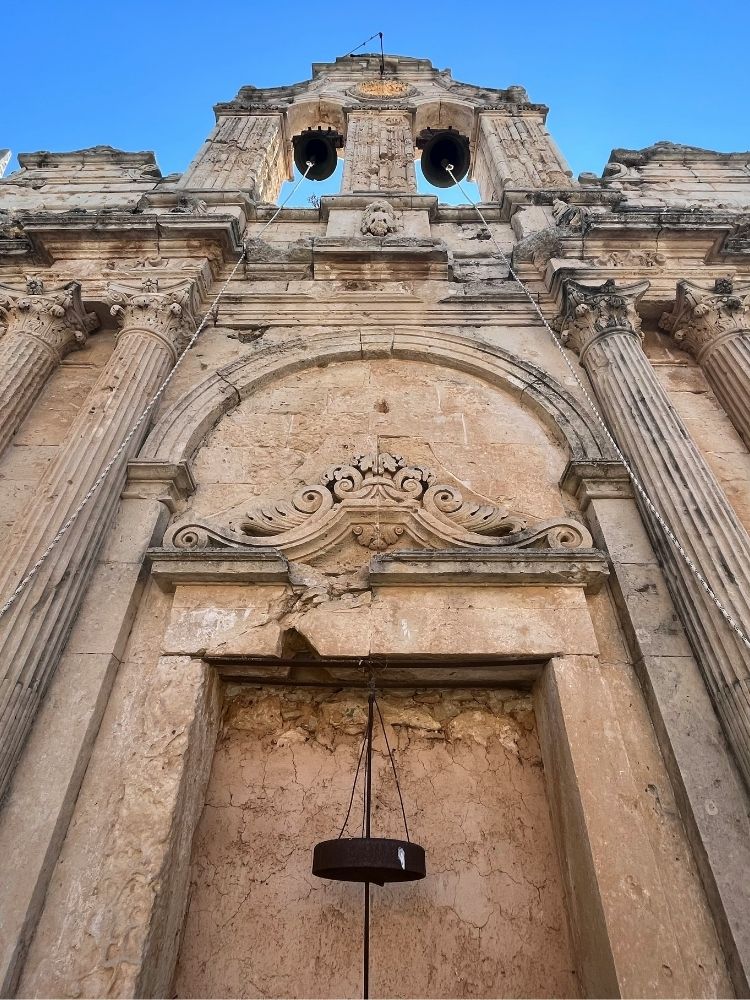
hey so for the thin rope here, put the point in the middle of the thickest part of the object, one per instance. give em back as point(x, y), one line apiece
point(600, 419)
point(149, 407)
point(395, 775)
point(354, 787)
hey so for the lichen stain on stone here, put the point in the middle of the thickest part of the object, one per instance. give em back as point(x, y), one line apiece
point(488, 920)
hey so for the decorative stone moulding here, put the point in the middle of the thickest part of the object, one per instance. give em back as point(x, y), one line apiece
point(381, 90)
point(702, 318)
point(54, 317)
point(379, 501)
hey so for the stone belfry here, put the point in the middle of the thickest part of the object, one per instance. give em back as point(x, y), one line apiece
point(377, 466)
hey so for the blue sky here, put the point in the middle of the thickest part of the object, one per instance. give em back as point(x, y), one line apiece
point(145, 75)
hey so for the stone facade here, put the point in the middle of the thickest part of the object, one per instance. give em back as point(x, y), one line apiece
point(374, 462)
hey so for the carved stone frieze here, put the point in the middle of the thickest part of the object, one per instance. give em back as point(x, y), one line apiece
point(591, 312)
point(379, 219)
point(631, 258)
point(701, 318)
point(379, 152)
point(380, 500)
point(55, 318)
point(169, 313)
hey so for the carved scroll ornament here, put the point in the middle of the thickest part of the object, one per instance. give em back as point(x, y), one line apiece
point(378, 500)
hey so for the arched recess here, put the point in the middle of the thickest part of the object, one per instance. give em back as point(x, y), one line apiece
point(182, 428)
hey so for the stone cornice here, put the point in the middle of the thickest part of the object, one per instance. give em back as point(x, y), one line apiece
point(170, 314)
point(701, 318)
point(54, 317)
point(591, 312)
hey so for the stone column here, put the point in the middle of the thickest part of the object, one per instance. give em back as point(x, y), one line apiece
point(602, 325)
point(34, 631)
point(379, 154)
point(714, 325)
point(515, 150)
point(243, 153)
point(40, 328)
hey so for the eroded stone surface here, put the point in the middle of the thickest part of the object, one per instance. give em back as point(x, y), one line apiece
point(487, 921)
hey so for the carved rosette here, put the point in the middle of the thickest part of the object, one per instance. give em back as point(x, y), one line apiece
point(55, 318)
point(167, 313)
point(702, 318)
point(591, 312)
point(379, 500)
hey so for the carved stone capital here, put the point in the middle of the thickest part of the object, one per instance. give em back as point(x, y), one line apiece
point(701, 317)
point(55, 317)
point(591, 312)
point(169, 313)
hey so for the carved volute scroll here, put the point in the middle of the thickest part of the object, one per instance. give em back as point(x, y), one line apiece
point(378, 500)
point(55, 318)
point(591, 312)
point(702, 318)
point(167, 312)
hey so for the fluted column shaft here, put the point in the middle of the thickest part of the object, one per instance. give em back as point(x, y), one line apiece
point(603, 326)
point(515, 150)
point(244, 152)
point(714, 325)
point(40, 328)
point(33, 632)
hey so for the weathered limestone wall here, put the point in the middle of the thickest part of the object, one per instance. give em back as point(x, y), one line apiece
point(488, 921)
point(287, 433)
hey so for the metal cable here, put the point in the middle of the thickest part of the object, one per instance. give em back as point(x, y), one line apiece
point(354, 787)
point(600, 419)
point(149, 407)
point(395, 775)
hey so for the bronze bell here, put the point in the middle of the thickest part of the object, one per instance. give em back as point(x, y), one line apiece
point(440, 147)
point(319, 145)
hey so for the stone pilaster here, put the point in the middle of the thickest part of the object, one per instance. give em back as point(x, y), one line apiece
point(33, 632)
point(714, 325)
point(603, 326)
point(515, 150)
point(379, 153)
point(40, 328)
point(243, 153)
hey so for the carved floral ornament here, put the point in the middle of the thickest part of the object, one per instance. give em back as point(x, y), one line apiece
point(169, 312)
point(590, 312)
point(378, 500)
point(702, 318)
point(55, 317)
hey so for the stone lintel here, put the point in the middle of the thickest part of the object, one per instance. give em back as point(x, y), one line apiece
point(172, 567)
point(49, 230)
point(585, 568)
point(377, 259)
point(358, 200)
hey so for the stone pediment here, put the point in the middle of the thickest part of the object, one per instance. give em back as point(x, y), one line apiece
point(383, 502)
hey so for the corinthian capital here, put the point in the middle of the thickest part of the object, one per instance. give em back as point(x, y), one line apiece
point(701, 317)
point(589, 312)
point(55, 317)
point(168, 312)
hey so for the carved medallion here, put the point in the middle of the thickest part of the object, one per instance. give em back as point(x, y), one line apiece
point(381, 90)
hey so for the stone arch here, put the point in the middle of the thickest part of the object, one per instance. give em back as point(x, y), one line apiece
point(180, 431)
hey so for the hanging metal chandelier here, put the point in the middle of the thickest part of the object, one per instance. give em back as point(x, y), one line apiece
point(369, 859)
